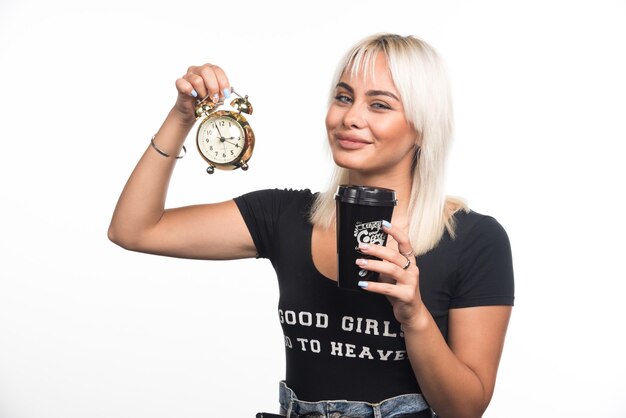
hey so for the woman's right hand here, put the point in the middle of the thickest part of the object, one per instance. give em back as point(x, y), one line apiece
point(207, 80)
point(141, 222)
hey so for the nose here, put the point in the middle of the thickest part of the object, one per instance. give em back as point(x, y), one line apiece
point(354, 117)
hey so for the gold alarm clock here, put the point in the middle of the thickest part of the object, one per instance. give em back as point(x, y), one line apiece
point(225, 139)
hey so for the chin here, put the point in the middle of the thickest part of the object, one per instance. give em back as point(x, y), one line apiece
point(349, 162)
point(357, 165)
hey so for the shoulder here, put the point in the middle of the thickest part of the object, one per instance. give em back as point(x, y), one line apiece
point(485, 266)
point(288, 194)
point(480, 237)
point(468, 221)
point(471, 224)
point(276, 200)
point(268, 212)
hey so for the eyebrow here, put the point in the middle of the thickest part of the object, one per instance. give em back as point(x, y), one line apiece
point(369, 92)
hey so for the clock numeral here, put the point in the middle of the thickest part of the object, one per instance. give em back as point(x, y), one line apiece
point(232, 152)
point(216, 153)
point(224, 155)
point(211, 148)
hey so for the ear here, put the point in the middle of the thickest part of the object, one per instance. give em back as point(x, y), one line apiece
point(418, 151)
point(418, 140)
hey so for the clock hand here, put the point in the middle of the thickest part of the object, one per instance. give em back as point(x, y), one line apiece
point(218, 131)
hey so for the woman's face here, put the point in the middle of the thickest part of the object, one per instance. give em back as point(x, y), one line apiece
point(367, 129)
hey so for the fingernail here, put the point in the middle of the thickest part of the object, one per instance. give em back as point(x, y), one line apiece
point(194, 93)
point(386, 224)
point(226, 92)
point(363, 246)
point(361, 262)
point(216, 98)
point(363, 285)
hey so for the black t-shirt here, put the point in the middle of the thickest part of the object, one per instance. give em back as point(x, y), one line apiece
point(346, 344)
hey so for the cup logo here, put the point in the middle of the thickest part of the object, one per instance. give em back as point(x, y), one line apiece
point(369, 233)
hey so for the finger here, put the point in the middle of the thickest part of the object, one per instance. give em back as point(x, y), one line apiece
point(184, 87)
point(388, 254)
point(207, 72)
point(216, 81)
point(222, 81)
point(401, 293)
point(392, 270)
point(401, 237)
point(377, 287)
point(197, 82)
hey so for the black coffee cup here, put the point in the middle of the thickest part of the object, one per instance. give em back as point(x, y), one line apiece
point(360, 212)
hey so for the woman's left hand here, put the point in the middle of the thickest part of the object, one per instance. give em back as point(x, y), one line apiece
point(399, 276)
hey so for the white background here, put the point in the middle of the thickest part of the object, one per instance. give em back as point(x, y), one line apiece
point(90, 330)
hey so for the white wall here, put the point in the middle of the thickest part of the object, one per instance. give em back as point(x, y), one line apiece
point(90, 330)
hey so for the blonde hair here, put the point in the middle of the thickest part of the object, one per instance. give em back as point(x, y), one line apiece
point(421, 79)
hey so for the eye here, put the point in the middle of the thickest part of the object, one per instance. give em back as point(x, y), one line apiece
point(342, 98)
point(380, 106)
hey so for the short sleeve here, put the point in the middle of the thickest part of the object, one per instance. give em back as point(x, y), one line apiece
point(485, 274)
point(262, 211)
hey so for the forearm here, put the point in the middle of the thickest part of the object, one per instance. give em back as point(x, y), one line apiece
point(142, 201)
point(450, 386)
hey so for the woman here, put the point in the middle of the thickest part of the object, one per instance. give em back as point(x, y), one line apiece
point(435, 338)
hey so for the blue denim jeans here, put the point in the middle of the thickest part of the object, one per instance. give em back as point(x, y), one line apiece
point(394, 407)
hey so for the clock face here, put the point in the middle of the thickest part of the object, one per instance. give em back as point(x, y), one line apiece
point(221, 139)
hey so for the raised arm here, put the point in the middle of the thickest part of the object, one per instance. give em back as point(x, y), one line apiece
point(140, 221)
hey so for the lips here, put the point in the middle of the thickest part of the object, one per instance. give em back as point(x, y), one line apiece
point(351, 141)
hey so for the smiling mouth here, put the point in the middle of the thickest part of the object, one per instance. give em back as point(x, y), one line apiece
point(347, 142)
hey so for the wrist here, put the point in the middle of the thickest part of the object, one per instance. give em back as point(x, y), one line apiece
point(171, 136)
point(182, 120)
point(418, 323)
